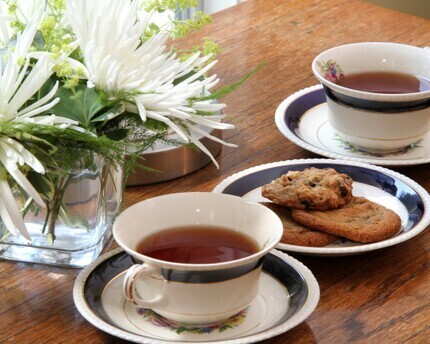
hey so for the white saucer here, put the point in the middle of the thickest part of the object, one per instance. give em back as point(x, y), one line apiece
point(302, 118)
point(288, 294)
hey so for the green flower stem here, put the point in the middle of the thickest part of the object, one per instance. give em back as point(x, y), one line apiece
point(54, 209)
point(27, 207)
point(48, 213)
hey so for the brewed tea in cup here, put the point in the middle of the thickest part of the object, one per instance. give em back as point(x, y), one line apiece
point(198, 245)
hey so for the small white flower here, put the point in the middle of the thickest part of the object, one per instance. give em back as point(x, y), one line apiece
point(109, 33)
point(17, 85)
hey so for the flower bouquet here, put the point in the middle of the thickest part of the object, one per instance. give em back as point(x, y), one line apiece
point(82, 83)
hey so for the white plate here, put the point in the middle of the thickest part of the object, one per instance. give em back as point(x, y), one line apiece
point(302, 119)
point(391, 189)
point(288, 294)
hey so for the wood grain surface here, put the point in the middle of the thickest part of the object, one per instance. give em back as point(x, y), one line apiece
point(377, 297)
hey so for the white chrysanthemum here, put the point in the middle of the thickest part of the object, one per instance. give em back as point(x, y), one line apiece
point(109, 33)
point(23, 13)
point(17, 85)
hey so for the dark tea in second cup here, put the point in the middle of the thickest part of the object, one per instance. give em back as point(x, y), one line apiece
point(385, 82)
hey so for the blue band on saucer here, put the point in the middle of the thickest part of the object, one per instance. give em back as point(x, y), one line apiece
point(374, 105)
point(298, 107)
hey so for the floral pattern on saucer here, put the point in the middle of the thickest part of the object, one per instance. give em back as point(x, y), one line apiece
point(348, 146)
point(158, 320)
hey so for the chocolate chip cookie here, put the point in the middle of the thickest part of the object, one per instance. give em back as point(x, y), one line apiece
point(296, 234)
point(359, 220)
point(312, 188)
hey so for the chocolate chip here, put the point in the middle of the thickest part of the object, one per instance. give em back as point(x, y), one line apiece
point(307, 204)
point(343, 191)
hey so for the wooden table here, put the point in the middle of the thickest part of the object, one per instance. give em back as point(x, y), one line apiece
point(377, 297)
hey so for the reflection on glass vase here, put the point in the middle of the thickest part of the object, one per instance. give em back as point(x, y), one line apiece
point(76, 223)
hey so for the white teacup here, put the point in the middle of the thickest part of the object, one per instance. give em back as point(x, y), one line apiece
point(375, 122)
point(195, 293)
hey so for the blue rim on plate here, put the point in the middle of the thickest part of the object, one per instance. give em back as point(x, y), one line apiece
point(410, 200)
point(300, 285)
point(302, 119)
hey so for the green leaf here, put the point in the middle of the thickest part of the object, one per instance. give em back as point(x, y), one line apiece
point(38, 40)
point(111, 114)
point(25, 138)
point(185, 77)
point(154, 125)
point(80, 104)
point(91, 103)
point(117, 135)
point(43, 185)
point(46, 158)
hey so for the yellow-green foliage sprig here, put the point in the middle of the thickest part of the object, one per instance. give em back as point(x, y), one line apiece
point(56, 38)
point(181, 28)
point(166, 5)
point(209, 47)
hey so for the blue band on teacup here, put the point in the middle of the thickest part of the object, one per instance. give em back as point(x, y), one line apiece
point(210, 276)
point(375, 105)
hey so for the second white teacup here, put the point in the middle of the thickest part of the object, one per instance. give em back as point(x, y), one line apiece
point(202, 293)
point(375, 122)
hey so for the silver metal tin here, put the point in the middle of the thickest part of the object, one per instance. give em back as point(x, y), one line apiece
point(173, 162)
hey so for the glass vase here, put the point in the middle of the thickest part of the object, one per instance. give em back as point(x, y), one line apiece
point(78, 225)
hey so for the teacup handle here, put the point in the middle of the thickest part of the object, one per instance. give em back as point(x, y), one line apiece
point(135, 272)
